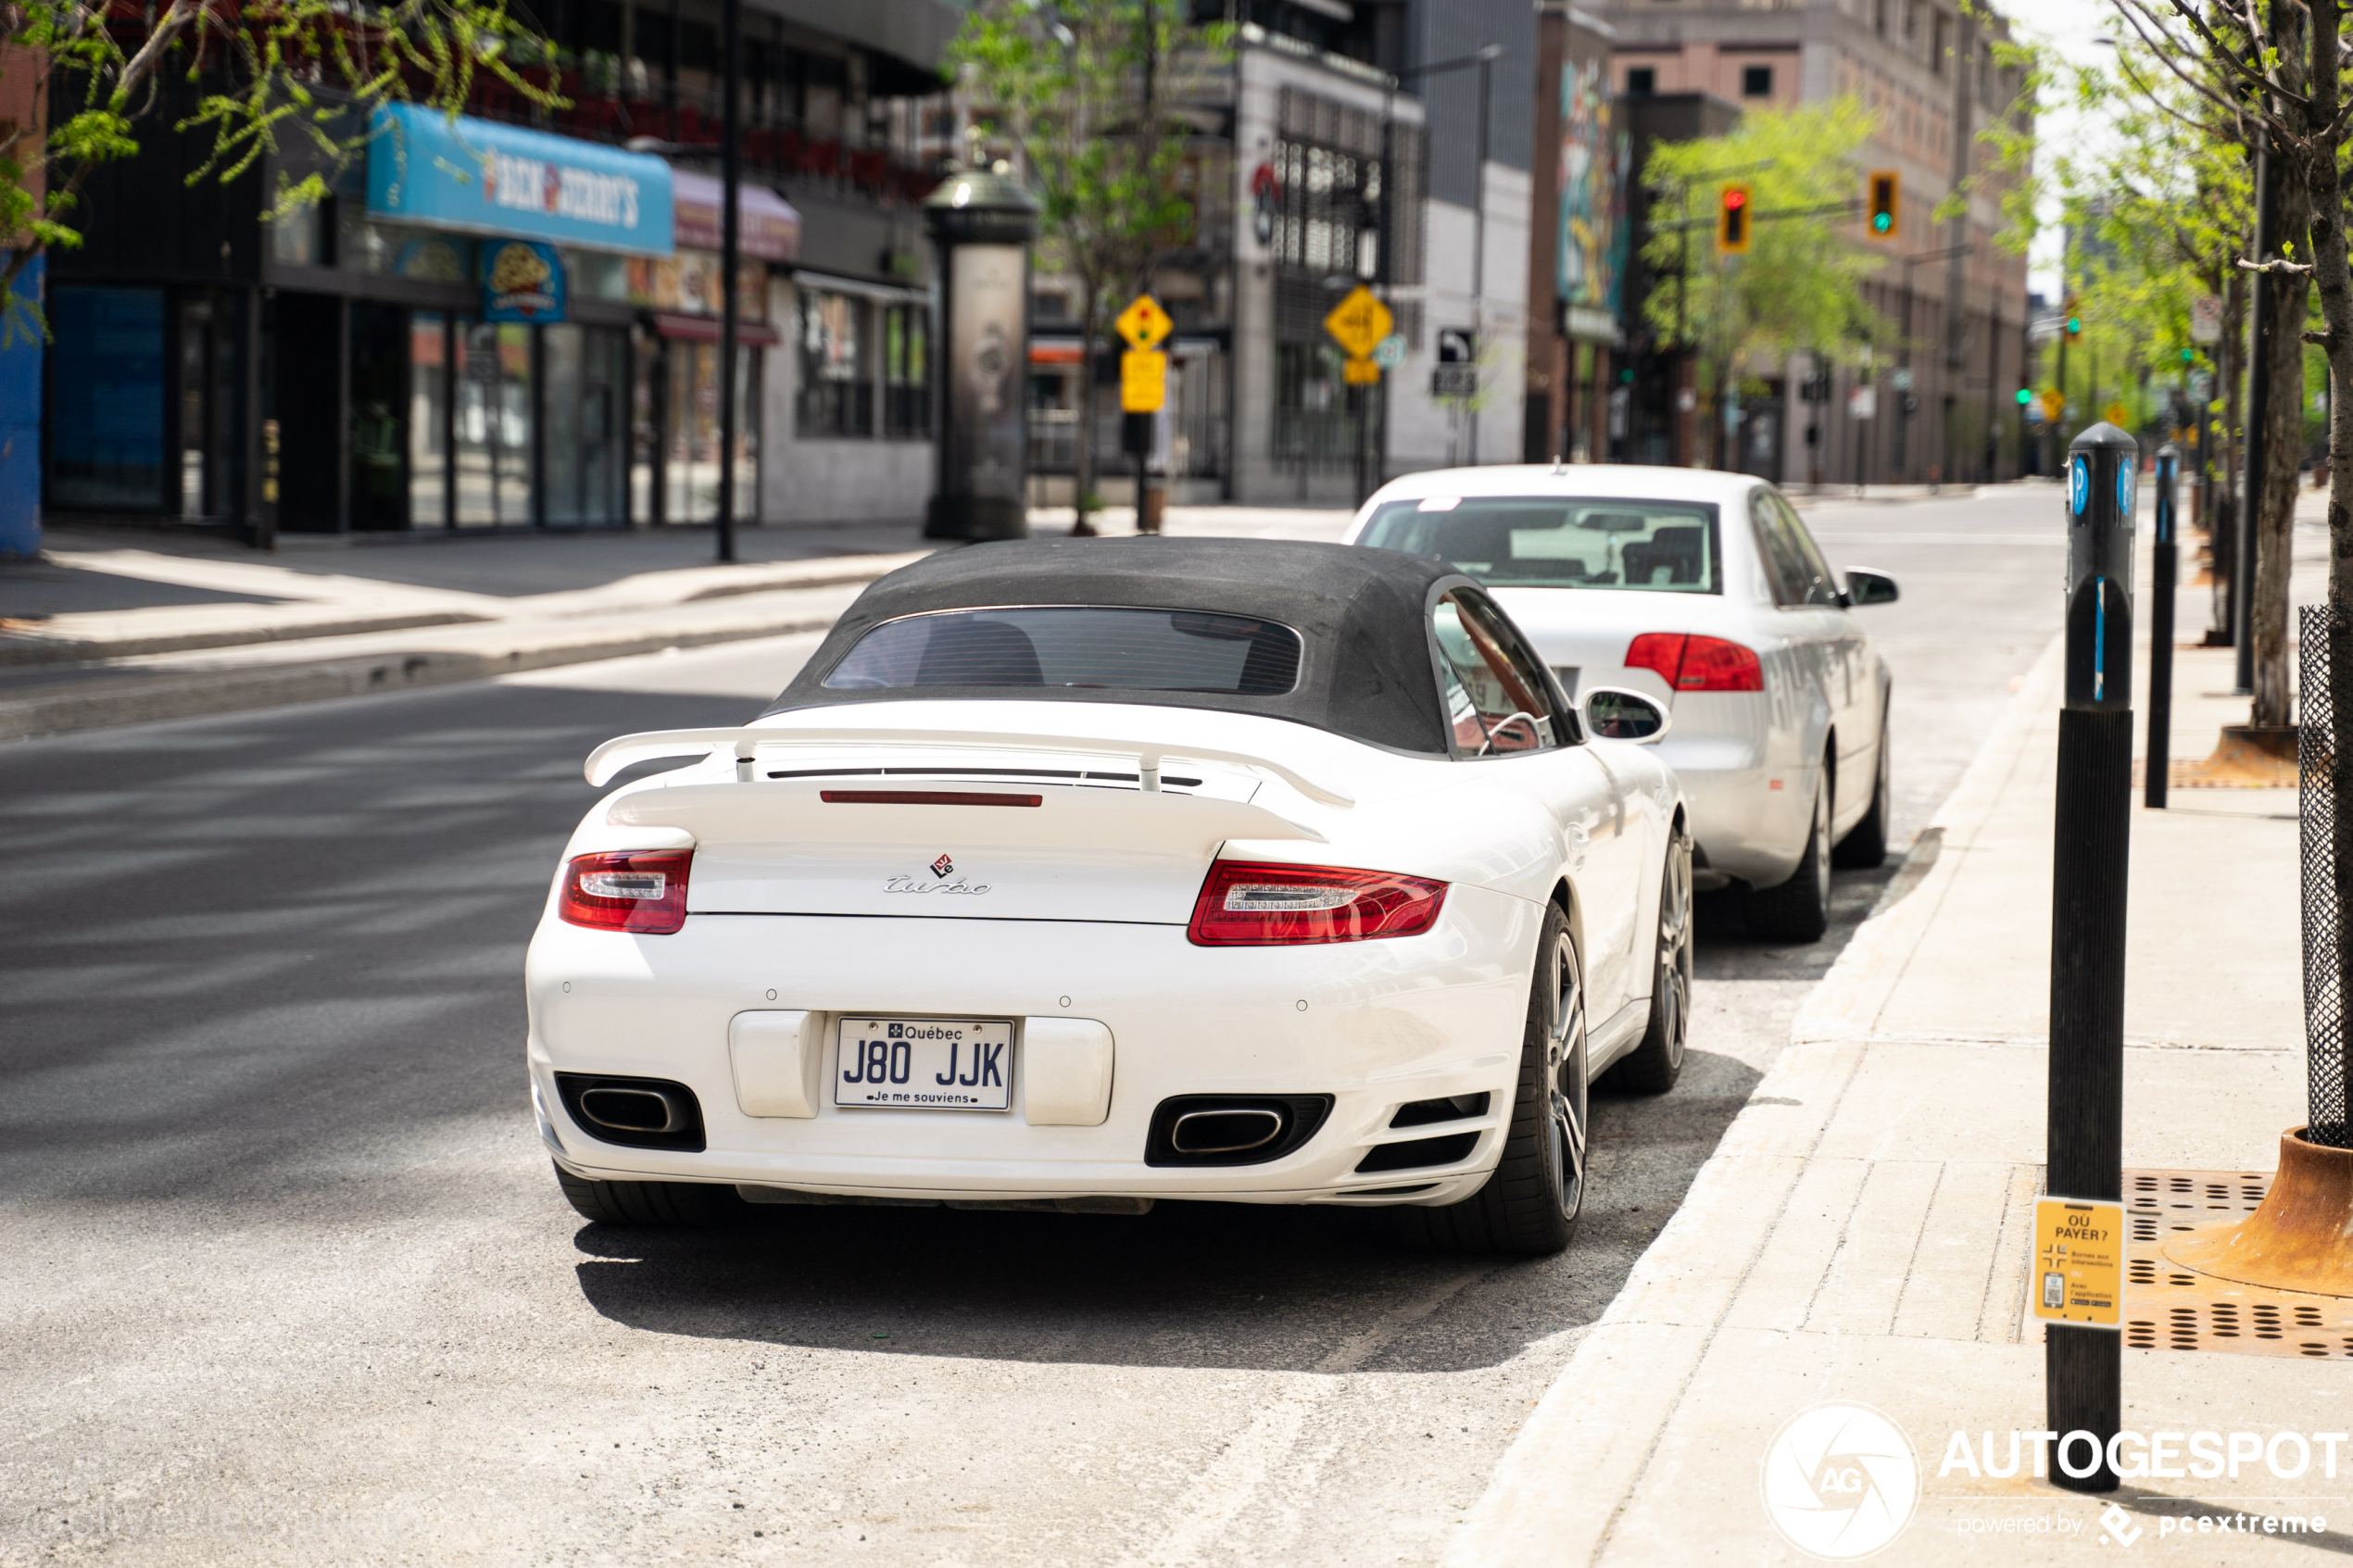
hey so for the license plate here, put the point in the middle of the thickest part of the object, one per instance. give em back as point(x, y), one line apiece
point(924, 1064)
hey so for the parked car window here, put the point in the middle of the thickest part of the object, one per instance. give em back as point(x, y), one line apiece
point(1821, 583)
point(1545, 541)
point(1793, 565)
point(1162, 650)
point(1497, 698)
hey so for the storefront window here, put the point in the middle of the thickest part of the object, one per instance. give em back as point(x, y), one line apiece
point(493, 420)
point(906, 371)
point(691, 453)
point(587, 372)
point(107, 399)
point(836, 389)
point(428, 420)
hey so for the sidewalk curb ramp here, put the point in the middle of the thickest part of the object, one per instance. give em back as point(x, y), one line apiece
point(1558, 1490)
point(194, 694)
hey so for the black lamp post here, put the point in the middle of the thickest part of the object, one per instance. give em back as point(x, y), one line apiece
point(983, 223)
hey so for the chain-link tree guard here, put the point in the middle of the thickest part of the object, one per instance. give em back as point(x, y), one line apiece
point(2325, 637)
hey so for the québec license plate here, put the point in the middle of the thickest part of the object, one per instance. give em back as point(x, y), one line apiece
point(924, 1063)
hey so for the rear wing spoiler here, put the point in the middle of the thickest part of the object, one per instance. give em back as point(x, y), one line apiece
point(743, 743)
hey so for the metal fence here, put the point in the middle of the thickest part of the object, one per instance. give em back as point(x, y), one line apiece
point(2327, 961)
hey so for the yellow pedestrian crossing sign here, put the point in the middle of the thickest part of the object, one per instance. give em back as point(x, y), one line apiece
point(1359, 322)
point(1143, 381)
point(1143, 325)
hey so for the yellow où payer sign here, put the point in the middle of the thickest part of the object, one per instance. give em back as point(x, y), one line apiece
point(2079, 1262)
point(1143, 381)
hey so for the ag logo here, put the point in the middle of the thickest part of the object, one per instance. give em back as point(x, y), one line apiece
point(1840, 1481)
point(2079, 484)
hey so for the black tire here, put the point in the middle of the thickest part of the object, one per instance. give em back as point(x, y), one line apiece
point(1799, 910)
point(1531, 1203)
point(681, 1204)
point(1865, 845)
point(1653, 1065)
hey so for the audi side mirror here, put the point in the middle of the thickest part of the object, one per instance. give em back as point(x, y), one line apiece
point(1616, 713)
point(1864, 586)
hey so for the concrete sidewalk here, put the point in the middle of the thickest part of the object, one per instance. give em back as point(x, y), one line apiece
point(1862, 1231)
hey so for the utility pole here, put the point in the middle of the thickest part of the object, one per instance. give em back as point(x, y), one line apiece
point(1479, 237)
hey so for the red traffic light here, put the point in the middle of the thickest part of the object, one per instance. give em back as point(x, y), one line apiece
point(1734, 198)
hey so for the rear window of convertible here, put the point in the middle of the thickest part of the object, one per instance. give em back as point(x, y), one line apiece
point(1118, 648)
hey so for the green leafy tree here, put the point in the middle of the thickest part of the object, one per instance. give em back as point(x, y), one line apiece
point(1088, 92)
point(254, 78)
point(1798, 286)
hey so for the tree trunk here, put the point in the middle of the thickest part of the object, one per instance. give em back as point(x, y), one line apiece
point(2286, 300)
point(2223, 531)
point(1083, 455)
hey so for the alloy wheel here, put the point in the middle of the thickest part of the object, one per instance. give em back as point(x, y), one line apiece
point(1565, 1078)
point(1674, 949)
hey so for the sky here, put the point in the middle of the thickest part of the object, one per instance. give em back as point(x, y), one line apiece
point(2070, 27)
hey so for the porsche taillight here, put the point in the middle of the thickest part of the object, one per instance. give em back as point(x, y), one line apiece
point(639, 891)
point(1688, 662)
point(1257, 904)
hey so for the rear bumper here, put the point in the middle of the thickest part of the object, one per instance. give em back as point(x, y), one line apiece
point(1374, 1024)
point(1749, 812)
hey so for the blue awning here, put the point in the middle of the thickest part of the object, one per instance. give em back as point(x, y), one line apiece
point(490, 179)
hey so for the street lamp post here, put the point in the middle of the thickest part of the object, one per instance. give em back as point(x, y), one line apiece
point(731, 132)
point(1904, 357)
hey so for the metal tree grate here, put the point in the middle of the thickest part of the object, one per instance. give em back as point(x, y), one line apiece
point(2167, 1306)
point(2325, 959)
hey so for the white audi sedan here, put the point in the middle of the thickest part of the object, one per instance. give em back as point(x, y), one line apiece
point(1705, 591)
point(1079, 875)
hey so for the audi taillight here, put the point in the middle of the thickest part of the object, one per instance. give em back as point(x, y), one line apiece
point(640, 891)
point(1688, 662)
point(1256, 904)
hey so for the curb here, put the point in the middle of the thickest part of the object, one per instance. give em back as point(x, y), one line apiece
point(198, 692)
point(18, 651)
point(1604, 1413)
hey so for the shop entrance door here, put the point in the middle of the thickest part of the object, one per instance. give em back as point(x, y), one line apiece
point(492, 437)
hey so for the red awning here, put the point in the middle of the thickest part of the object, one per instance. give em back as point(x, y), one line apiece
point(770, 228)
point(705, 329)
point(1056, 353)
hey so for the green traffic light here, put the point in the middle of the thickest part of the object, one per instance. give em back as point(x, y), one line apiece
point(1883, 221)
point(2074, 325)
point(2025, 396)
point(2189, 356)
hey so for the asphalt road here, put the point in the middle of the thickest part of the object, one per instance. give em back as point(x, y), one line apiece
point(289, 1279)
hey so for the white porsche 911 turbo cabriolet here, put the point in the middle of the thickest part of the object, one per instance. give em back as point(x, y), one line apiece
point(1080, 874)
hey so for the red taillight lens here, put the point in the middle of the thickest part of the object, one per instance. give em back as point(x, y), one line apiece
point(640, 891)
point(1693, 663)
point(1254, 904)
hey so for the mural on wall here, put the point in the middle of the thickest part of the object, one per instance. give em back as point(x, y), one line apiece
point(1596, 159)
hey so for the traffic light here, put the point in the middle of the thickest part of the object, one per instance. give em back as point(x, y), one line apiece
point(2025, 396)
point(1731, 220)
point(2074, 318)
point(1883, 203)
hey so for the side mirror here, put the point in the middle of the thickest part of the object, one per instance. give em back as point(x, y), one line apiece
point(1864, 586)
point(1615, 713)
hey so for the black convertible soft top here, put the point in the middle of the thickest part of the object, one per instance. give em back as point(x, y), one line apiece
point(1362, 616)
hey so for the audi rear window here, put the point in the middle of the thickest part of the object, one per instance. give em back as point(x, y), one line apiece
point(1044, 646)
point(1542, 542)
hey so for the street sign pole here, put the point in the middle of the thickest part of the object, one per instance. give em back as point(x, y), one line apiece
point(1361, 325)
point(731, 118)
point(2092, 840)
point(1143, 392)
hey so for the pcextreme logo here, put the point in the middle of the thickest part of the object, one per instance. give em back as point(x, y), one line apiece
point(1840, 1481)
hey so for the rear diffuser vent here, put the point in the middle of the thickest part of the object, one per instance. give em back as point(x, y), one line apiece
point(1414, 1153)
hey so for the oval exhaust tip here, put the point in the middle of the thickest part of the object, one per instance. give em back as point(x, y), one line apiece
point(1224, 1131)
point(633, 1111)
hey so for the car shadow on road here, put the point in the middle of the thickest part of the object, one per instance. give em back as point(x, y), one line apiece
point(1213, 1285)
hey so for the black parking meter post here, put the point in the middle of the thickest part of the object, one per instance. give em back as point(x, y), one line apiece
point(2092, 840)
point(2166, 563)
